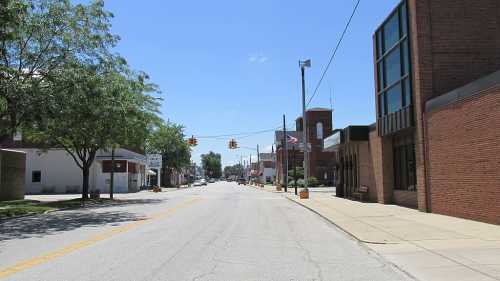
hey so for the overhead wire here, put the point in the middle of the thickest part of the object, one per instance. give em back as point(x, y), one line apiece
point(334, 52)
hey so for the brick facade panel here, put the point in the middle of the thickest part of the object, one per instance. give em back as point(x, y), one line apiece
point(464, 158)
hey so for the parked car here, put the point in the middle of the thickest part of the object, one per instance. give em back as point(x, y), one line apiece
point(242, 181)
point(203, 182)
point(197, 183)
point(211, 180)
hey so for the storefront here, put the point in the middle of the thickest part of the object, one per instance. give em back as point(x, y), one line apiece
point(353, 158)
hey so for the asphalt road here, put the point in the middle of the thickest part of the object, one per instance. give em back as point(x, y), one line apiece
point(218, 232)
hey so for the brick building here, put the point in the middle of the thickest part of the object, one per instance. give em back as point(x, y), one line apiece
point(321, 163)
point(353, 161)
point(438, 102)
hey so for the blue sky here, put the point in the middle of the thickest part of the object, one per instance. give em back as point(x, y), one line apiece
point(232, 66)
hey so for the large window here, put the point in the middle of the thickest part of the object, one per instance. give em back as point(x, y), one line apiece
point(393, 63)
point(36, 176)
point(404, 163)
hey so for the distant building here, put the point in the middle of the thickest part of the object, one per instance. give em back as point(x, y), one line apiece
point(354, 167)
point(55, 171)
point(321, 163)
point(267, 167)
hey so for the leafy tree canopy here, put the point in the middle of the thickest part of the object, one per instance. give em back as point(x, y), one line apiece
point(41, 39)
point(168, 140)
point(212, 165)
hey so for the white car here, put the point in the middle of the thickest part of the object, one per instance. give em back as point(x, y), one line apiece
point(197, 183)
point(203, 182)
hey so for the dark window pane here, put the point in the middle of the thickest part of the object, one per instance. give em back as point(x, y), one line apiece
point(381, 105)
point(36, 176)
point(407, 91)
point(412, 173)
point(380, 48)
point(380, 76)
point(393, 67)
point(404, 19)
point(406, 57)
point(391, 32)
point(394, 99)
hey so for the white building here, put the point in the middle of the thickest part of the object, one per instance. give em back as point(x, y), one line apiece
point(267, 167)
point(55, 171)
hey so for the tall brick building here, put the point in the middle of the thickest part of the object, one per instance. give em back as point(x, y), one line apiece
point(321, 163)
point(437, 143)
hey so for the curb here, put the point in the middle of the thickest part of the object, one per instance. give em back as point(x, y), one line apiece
point(65, 209)
point(35, 214)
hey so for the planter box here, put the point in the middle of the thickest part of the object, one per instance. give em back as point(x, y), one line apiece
point(304, 194)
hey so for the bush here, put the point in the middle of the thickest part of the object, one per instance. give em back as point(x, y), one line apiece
point(313, 182)
point(300, 182)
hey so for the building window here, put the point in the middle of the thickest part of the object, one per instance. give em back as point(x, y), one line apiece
point(392, 68)
point(404, 163)
point(394, 101)
point(393, 63)
point(36, 176)
point(319, 131)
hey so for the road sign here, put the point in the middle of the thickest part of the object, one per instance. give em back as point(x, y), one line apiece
point(154, 161)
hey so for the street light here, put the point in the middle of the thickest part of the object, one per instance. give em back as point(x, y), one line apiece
point(303, 65)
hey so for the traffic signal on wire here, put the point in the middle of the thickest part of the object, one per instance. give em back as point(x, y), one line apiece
point(192, 141)
point(233, 144)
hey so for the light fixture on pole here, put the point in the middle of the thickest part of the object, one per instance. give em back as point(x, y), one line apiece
point(303, 65)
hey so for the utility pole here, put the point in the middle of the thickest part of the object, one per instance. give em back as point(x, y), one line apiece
point(285, 155)
point(250, 168)
point(294, 171)
point(303, 65)
point(112, 172)
point(258, 164)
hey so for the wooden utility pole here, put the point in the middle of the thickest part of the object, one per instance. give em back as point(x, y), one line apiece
point(285, 155)
point(294, 170)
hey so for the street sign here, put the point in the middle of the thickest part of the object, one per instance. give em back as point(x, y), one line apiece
point(154, 161)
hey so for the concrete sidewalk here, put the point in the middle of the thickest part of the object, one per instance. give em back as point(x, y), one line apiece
point(428, 247)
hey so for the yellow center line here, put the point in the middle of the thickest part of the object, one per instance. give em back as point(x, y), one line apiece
point(23, 265)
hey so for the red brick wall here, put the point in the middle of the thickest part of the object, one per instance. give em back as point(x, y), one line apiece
point(453, 42)
point(464, 158)
point(465, 41)
point(405, 198)
point(381, 157)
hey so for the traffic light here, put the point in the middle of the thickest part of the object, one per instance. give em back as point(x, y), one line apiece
point(233, 144)
point(192, 141)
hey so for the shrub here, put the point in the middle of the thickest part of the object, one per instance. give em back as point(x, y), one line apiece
point(313, 182)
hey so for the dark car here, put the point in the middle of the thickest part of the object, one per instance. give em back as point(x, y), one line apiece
point(241, 181)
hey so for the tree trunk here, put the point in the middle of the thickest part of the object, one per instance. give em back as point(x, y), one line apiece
point(85, 184)
point(112, 174)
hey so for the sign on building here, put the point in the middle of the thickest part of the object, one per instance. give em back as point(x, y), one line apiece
point(154, 161)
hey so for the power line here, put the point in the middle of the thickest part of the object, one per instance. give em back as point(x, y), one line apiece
point(243, 135)
point(334, 52)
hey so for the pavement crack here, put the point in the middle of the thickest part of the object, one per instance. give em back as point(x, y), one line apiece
point(307, 253)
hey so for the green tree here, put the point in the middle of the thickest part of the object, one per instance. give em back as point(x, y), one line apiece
point(44, 36)
point(100, 108)
point(212, 165)
point(299, 173)
point(235, 170)
point(168, 139)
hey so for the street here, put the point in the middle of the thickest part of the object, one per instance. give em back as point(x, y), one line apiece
point(217, 232)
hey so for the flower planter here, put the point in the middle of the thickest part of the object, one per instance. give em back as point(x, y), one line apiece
point(304, 194)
